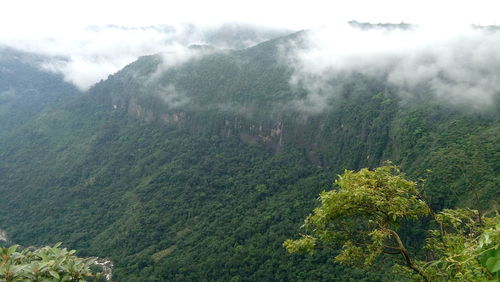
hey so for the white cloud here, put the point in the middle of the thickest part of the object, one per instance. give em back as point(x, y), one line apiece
point(460, 65)
point(86, 55)
point(28, 15)
point(172, 97)
point(58, 27)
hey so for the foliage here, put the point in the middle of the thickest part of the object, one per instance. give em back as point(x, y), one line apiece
point(464, 248)
point(200, 171)
point(44, 264)
point(363, 217)
point(26, 90)
point(363, 214)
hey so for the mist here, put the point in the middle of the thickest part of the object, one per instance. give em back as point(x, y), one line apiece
point(458, 65)
point(88, 55)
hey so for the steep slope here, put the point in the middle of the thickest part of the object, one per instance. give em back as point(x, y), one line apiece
point(26, 89)
point(200, 171)
point(248, 93)
point(163, 202)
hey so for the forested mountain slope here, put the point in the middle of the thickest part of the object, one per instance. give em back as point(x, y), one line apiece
point(200, 171)
point(26, 89)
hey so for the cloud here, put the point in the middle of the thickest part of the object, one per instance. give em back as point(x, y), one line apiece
point(86, 55)
point(89, 55)
point(459, 65)
point(172, 97)
point(176, 54)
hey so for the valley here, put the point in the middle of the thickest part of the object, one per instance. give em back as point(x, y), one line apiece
point(200, 171)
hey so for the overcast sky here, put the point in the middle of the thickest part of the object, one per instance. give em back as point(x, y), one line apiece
point(53, 16)
point(59, 27)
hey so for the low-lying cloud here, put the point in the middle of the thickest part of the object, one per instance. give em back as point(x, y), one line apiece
point(88, 55)
point(459, 65)
point(172, 97)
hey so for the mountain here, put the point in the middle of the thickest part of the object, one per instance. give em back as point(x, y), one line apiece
point(200, 171)
point(26, 89)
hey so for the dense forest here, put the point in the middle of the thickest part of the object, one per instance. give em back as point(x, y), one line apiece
point(200, 171)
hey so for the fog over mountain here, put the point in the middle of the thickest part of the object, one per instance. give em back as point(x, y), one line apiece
point(460, 65)
point(457, 63)
point(85, 56)
point(192, 152)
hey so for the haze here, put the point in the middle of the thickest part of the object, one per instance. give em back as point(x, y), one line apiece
point(85, 48)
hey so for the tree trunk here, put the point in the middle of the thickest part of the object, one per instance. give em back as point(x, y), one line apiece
point(406, 256)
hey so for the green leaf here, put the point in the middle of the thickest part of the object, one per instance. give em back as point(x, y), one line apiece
point(12, 249)
point(493, 265)
point(54, 274)
point(434, 263)
point(486, 256)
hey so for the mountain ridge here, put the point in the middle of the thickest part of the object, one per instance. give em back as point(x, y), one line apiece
point(193, 190)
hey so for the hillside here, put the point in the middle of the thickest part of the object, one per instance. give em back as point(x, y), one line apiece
point(26, 89)
point(200, 171)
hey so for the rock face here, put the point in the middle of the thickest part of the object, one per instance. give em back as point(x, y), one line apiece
point(107, 268)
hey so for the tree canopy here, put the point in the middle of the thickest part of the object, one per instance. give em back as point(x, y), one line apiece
point(363, 217)
point(45, 264)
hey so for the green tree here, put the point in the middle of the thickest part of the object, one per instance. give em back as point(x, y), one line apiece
point(463, 247)
point(44, 264)
point(364, 215)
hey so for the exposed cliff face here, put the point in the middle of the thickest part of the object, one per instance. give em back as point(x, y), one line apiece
point(107, 268)
point(270, 137)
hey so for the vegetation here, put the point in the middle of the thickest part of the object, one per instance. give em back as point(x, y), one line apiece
point(45, 264)
point(26, 90)
point(366, 212)
point(466, 246)
point(201, 171)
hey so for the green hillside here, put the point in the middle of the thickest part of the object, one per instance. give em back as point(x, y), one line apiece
point(26, 89)
point(199, 172)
